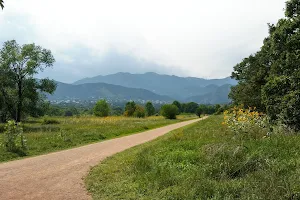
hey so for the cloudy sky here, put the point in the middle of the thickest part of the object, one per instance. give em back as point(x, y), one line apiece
point(198, 38)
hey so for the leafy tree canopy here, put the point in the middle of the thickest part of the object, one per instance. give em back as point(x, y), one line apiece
point(101, 109)
point(20, 92)
point(129, 108)
point(169, 111)
point(269, 79)
point(150, 110)
point(139, 112)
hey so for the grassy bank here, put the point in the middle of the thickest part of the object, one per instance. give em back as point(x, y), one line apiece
point(53, 134)
point(202, 161)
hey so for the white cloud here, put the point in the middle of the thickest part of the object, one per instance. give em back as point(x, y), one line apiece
point(196, 37)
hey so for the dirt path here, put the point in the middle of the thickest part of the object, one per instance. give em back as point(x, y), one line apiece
point(59, 175)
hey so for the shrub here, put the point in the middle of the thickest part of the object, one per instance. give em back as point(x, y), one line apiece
point(169, 111)
point(101, 109)
point(14, 133)
point(246, 122)
point(49, 121)
point(139, 111)
point(68, 113)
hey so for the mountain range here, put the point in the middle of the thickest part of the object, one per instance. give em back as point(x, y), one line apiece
point(147, 86)
point(94, 91)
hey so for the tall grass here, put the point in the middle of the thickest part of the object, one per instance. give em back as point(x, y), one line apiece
point(52, 134)
point(203, 161)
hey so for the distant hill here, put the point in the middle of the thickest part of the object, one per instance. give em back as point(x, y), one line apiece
point(94, 91)
point(218, 96)
point(176, 87)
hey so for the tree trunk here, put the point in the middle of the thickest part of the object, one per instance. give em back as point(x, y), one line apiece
point(19, 106)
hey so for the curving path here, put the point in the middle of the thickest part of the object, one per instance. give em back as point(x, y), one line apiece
point(59, 175)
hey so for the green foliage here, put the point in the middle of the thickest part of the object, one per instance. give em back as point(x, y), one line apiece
point(207, 109)
point(54, 111)
point(150, 110)
point(117, 111)
point(49, 121)
point(71, 111)
point(200, 111)
point(246, 123)
point(68, 113)
point(269, 79)
point(129, 109)
point(139, 112)
point(203, 161)
point(14, 140)
point(101, 109)
point(20, 92)
point(191, 107)
point(178, 104)
point(169, 111)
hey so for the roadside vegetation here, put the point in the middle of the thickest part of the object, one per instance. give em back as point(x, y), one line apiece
point(206, 160)
point(45, 135)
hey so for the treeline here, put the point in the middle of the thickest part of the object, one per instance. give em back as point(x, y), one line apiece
point(270, 79)
point(131, 109)
point(200, 109)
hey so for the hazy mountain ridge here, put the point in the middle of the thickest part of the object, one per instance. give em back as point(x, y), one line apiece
point(218, 96)
point(94, 91)
point(149, 86)
point(176, 87)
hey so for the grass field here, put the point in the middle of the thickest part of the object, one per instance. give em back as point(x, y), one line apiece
point(52, 134)
point(202, 161)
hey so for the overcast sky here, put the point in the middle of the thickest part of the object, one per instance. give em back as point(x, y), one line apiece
point(198, 38)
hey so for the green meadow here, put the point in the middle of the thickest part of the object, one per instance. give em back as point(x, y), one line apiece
point(202, 161)
point(44, 135)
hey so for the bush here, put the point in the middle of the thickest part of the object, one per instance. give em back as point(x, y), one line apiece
point(68, 113)
point(246, 122)
point(101, 109)
point(139, 111)
point(14, 133)
point(49, 121)
point(169, 111)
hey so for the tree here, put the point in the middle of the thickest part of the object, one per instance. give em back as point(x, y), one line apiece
point(248, 91)
point(54, 111)
point(177, 103)
point(20, 90)
point(139, 111)
point(217, 108)
point(269, 79)
point(101, 109)
point(129, 108)
point(191, 107)
point(118, 111)
point(2, 4)
point(199, 111)
point(150, 110)
point(169, 111)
